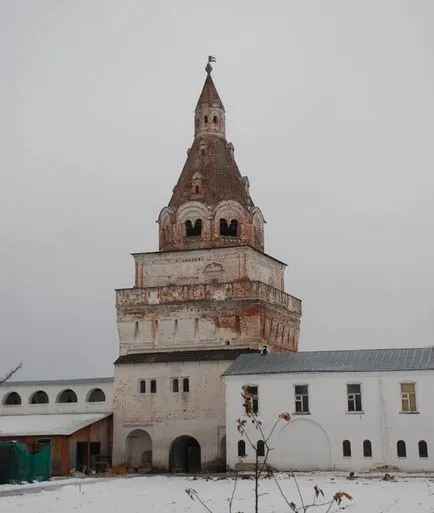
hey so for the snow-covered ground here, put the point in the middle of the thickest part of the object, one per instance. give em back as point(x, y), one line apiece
point(165, 494)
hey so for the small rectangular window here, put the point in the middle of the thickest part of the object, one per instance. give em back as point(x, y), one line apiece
point(153, 386)
point(43, 441)
point(408, 397)
point(354, 397)
point(301, 399)
point(251, 398)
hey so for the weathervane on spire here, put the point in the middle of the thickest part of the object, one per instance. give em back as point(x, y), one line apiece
point(208, 67)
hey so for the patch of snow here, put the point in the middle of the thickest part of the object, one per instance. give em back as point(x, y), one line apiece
point(49, 424)
point(166, 494)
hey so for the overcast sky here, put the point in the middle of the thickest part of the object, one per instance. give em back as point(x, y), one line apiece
point(330, 109)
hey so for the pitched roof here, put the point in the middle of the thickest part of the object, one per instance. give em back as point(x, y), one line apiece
point(359, 360)
point(209, 94)
point(44, 425)
point(196, 355)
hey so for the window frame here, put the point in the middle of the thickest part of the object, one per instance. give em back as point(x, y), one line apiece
point(346, 448)
point(408, 396)
point(249, 397)
point(185, 381)
point(175, 385)
point(150, 386)
point(153, 386)
point(424, 444)
point(301, 399)
point(145, 387)
point(367, 444)
point(241, 448)
point(352, 396)
point(401, 444)
point(260, 449)
point(183, 384)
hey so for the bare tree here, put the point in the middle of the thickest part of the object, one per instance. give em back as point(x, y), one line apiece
point(8, 376)
point(263, 469)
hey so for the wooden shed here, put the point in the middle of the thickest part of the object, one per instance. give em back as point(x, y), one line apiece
point(78, 440)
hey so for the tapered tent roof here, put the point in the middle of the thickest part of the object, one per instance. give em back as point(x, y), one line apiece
point(209, 94)
point(221, 179)
point(212, 158)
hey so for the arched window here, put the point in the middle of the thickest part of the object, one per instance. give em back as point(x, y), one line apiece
point(39, 397)
point(193, 230)
point(12, 399)
point(67, 396)
point(423, 449)
point(205, 118)
point(185, 385)
point(153, 386)
point(260, 448)
point(215, 119)
point(401, 449)
point(175, 385)
point(143, 386)
point(96, 396)
point(241, 448)
point(367, 449)
point(231, 229)
point(346, 448)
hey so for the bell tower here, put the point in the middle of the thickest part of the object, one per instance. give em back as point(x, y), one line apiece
point(211, 204)
point(209, 294)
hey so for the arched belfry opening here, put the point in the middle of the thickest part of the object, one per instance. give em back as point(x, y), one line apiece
point(229, 229)
point(193, 229)
point(185, 455)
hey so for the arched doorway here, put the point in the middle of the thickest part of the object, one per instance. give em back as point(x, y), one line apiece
point(138, 449)
point(185, 455)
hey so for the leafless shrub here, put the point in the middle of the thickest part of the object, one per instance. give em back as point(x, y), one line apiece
point(262, 468)
point(8, 376)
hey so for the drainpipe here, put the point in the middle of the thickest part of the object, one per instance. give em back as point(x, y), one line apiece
point(383, 423)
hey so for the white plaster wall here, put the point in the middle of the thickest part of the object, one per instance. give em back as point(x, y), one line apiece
point(314, 441)
point(189, 267)
point(81, 387)
point(166, 415)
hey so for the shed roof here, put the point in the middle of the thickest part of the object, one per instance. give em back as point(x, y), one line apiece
point(359, 360)
point(46, 425)
point(66, 382)
point(194, 355)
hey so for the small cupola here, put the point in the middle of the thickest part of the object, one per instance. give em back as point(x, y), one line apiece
point(209, 115)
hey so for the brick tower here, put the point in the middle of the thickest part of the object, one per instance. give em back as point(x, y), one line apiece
point(209, 293)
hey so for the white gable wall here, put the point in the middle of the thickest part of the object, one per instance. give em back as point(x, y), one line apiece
point(314, 440)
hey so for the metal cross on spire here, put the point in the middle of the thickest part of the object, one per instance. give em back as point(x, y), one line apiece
point(208, 67)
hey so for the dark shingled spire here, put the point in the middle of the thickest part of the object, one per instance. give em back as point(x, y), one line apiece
point(211, 157)
point(209, 95)
point(221, 179)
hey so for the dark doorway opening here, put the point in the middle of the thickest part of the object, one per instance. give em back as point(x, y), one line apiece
point(185, 455)
point(85, 454)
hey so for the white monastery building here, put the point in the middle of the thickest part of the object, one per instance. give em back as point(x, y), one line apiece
point(350, 410)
